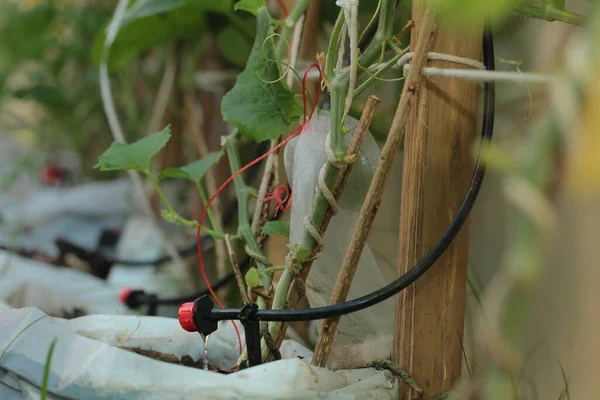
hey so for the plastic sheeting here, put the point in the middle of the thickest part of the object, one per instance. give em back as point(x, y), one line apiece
point(55, 290)
point(84, 368)
point(34, 204)
point(363, 336)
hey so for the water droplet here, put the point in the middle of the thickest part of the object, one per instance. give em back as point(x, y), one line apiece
point(205, 356)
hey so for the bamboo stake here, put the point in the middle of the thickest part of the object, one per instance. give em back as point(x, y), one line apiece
point(375, 193)
point(437, 168)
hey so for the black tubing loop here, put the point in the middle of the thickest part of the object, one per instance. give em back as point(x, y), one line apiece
point(429, 259)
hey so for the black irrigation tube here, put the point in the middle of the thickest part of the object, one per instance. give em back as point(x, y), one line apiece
point(218, 314)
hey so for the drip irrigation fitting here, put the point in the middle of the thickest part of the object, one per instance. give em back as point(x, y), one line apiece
point(136, 298)
point(204, 315)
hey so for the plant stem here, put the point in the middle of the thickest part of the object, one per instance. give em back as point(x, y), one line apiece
point(333, 41)
point(389, 65)
point(266, 182)
point(398, 371)
point(214, 233)
point(288, 26)
point(375, 192)
point(209, 213)
point(339, 83)
point(160, 193)
point(287, 294)
point(214, 211)
point(548, 13)
point(275, 268)
point(242, 194)
point(236, 270)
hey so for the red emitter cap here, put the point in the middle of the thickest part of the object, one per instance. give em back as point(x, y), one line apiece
point(124, 295)
point(186, 317)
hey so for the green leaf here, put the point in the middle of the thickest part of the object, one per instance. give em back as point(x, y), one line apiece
point(261, 110)
point(155, 24)
point(252, 278)
point(252, 6)
point(174, 172)
point(146, 8)
point(197, 169)
point(277, 228)
point(193, 171)
point(137, 155)
point(234, 45)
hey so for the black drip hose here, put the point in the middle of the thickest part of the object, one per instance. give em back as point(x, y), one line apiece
point(430, 258)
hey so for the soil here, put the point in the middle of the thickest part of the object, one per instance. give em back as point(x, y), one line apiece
point(171, 359)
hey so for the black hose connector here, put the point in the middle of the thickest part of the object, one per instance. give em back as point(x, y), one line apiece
point(252, 332)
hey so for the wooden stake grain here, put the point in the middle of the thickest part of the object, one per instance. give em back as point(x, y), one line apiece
point(437, 168)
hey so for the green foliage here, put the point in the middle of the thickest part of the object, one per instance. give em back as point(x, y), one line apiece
point(134, 156)
point(260, 105)
point(44, 60)
point(233, 45)
point(252, 278)
point(51, 96)
point(299, 253)
point(471, 11)
point(25, 33)
point(277, 228)
point(147, 8)
point(44, 387)
point(193, 171)
point(496, 159)
point(157, 22)
point(252, 6)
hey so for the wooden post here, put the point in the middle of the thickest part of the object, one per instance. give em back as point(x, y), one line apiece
point(438, 165)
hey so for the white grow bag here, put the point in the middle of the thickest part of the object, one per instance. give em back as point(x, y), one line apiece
point(25, 282)
point(54, 290)
point(84, 368)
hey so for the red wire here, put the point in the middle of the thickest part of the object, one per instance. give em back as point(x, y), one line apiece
point(245, 167)
point(283, 8)
point(281, 194)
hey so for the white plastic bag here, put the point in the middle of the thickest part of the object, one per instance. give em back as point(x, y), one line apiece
point(55, 290)
point(83, 368)
point(366, 335)
point(42, 203)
